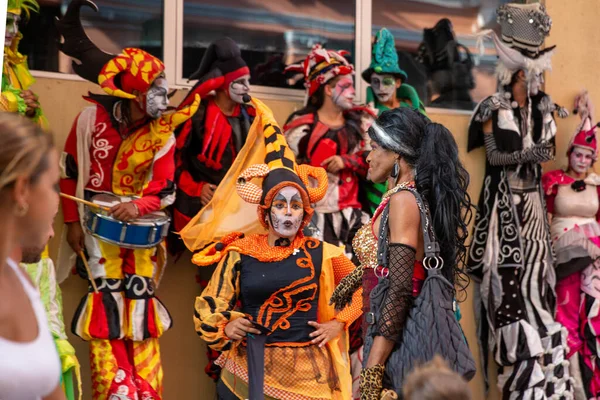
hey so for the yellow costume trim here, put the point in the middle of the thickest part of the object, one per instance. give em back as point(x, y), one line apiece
point(102, 359)
point(9, 102)
point(137, 152)
point(16, 72)
point(69, 361)
point(15, 66)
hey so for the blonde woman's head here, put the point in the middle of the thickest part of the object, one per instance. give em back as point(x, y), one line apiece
point(435, 381)
point(29, 176)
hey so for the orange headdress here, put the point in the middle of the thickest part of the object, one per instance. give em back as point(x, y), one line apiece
point(280, 170)
point(267, 157)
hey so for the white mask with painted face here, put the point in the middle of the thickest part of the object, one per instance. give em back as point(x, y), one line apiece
point(12, 28)
point(238, 88)
point(157, 99)
point(580, 160)
point(287, 212)
point(383, 86)
point(343, 93)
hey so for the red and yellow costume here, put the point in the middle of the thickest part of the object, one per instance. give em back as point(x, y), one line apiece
point(135, 161)
point(280, 287)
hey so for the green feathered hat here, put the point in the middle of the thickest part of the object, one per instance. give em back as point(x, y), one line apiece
point(28, 6)
point(384, 59)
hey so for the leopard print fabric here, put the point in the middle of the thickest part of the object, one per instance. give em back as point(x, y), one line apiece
point(342, 294)
point(371, 382)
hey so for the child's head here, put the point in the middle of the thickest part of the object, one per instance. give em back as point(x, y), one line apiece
point(435, 381)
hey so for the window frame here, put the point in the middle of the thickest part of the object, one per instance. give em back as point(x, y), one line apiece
point(173, 57)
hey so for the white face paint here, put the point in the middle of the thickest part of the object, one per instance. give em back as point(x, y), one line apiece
point(343, 93)
point(238, 88)
point(383, 86)
point(12, 28)
point(156, 98)
point(287, 211)
point(580, 160)
point(535, 83)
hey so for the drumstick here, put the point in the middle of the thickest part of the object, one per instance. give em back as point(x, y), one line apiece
point(89, 271)
point(87, 203)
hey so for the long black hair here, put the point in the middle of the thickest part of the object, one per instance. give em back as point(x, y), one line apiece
point(430, 149)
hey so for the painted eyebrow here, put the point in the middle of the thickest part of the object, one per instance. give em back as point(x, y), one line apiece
point(281, 197)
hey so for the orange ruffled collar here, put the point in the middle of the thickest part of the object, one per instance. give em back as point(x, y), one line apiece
point(255, 246)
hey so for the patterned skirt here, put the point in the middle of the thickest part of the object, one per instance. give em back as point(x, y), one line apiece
point(578, 300)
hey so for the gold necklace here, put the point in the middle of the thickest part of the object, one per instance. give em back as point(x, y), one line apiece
point(402, 185)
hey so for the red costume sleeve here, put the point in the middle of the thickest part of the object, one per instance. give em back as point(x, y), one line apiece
point(189, 185)
point(356, 162)
point(185, 181)
point(68, 181)
point(160, 192)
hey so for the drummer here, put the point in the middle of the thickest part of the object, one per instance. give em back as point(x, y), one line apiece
point(120, 149)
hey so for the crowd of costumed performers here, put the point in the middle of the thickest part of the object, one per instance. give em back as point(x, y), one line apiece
point(336, 247)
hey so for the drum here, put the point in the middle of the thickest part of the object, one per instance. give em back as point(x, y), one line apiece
point(142, 233)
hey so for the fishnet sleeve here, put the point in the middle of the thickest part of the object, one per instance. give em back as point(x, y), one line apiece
point(343, 267)
point(399, 298)
point(535, 154)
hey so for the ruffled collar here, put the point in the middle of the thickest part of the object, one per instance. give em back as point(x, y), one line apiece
point(255, 246)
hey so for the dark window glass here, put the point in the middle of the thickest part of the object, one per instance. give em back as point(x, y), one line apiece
point(270, 33)
point(118, 24)
point(444, 65)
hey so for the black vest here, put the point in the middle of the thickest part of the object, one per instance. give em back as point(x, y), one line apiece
point(283, 295)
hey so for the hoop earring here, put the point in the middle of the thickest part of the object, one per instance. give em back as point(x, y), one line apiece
point(395, 171)
point(21, 210)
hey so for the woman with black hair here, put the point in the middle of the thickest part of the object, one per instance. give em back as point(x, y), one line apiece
point(420, 160)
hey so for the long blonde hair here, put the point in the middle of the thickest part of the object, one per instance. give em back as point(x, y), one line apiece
point(23, 150)
point(435, 381)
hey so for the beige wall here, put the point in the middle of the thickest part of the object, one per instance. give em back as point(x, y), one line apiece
point(575, 67)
